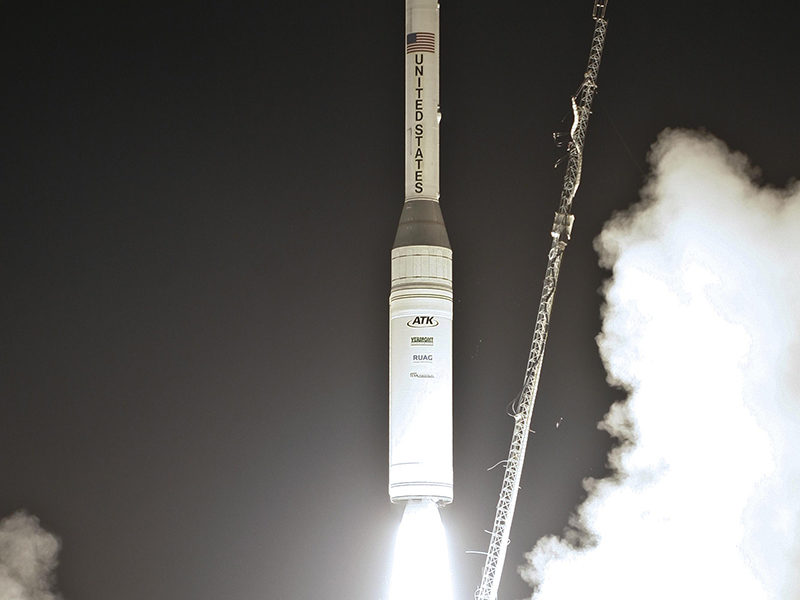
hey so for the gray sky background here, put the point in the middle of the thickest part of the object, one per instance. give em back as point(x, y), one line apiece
point(197, 204)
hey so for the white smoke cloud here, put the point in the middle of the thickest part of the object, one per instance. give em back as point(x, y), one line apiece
point(702, 329)
point(28, 557)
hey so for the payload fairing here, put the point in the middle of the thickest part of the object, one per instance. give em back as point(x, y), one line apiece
point(421, 297)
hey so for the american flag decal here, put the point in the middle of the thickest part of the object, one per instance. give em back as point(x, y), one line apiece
point(420, 42)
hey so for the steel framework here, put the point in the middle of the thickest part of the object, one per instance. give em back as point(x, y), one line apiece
point(561, 230)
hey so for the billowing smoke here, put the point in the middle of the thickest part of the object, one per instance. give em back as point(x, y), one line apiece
point(28, 557)
point(701, 329)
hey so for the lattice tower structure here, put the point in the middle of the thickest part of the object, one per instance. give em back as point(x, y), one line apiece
point(561, 231)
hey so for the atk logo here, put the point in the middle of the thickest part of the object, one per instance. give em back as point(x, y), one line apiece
point(423, 322)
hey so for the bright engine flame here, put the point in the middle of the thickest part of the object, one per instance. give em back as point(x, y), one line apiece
point(421, 569)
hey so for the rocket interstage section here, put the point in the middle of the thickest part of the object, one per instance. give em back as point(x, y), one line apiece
point(421, 298)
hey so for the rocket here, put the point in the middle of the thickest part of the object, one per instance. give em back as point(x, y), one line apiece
point(421, 297)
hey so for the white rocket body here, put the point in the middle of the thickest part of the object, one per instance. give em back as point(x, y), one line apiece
point(421, 298)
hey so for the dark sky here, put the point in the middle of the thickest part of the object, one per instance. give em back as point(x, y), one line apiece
point(198, 204)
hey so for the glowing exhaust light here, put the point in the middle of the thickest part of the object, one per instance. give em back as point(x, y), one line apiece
point(421, 569)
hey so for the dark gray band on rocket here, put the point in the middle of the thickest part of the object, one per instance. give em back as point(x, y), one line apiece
point(421, 224)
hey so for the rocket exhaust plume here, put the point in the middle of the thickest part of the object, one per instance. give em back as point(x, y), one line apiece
point(28, 557)
point(701, 329)
point(421, 569)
